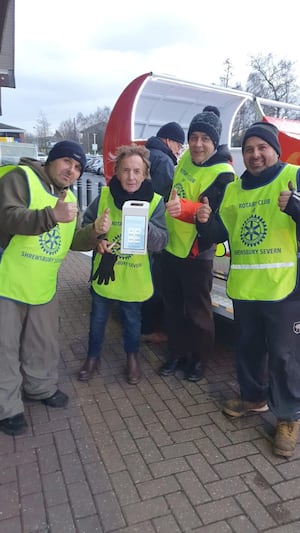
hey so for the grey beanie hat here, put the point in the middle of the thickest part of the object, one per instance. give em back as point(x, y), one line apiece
point(266, 131)
point(207, 122)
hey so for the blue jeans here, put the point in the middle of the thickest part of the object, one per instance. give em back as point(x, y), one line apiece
point(131, 322)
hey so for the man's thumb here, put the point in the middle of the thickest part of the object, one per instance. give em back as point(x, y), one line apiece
point(63, 195)
point(291, 186)
point(106, 211)
point(174, 194)
point(204, 200)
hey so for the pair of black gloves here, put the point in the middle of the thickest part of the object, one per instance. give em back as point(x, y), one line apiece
point(105, 271)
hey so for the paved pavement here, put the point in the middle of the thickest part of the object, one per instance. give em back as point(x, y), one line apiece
point(156, 457)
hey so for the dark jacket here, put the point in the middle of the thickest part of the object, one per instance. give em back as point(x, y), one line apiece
point(162, 167)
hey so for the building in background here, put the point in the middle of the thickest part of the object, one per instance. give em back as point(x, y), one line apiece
point(7, 45)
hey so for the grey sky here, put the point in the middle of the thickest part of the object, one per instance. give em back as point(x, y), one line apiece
point(69, 60)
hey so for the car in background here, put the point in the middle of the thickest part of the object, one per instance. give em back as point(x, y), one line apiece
point(96, 165)
point(42, 157)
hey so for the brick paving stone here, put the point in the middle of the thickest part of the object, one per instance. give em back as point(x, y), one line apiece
point(54, 488)
point(191, 486)
point(218, 510)
point(64, 442)
point(159, 434)
point(112, 458)
point(261, 488)
point(29, 478)
point(124, 442)
point(144, 527)
point(124, 487)
point(137, 468)
point(242, 524)
point(60, 519)
point(166, 524)
point(48, 459)
point(136, 427)
point(168, 466)
point(158, 487)
point(146, 414)
point(179, 450)
point(8, 474)
point(169, 421)
point(97, 477)
point(9, 498)
point(202, 468)
point(82, 503)
point(218, 527)
point(185, 435)
point(149, 450)
point(88, 451)
point(11, 525)
point(109, 510)
point(288, 489)
point(33, 513)
point(125, 407)
point(184, 512)
point(113, 420)
point(71, 468)
point(237, 467)
point(90, 524)
point(253, 508)
point(146, 510)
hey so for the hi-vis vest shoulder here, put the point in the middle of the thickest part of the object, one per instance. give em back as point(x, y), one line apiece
point(133, 281)
point(190, 181)
point(263, 242)
point(30, 263)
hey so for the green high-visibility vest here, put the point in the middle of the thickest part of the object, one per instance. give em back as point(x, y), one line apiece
point(262, 239)
point(190, 181)
point(133, 281)
point(30, 263)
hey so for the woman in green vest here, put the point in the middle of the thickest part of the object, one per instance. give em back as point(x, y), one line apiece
point(116, 276)
point(260, 215)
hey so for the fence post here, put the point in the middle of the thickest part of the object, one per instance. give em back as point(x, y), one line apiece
point(79, 193)
point(89, 191)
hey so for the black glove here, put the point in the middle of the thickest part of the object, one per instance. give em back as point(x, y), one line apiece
point(105, 271)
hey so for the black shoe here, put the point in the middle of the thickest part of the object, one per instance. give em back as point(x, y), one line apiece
point(58, 399)
point(195, 372)
point(14, 425)
point(169, 367)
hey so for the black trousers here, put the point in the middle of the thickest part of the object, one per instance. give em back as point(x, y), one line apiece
point(189, 318)
point(268, 354)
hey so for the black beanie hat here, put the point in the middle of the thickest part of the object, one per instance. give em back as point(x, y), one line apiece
point(266, 131)
point(207, 122)
point(68, 149)
point(172, 131)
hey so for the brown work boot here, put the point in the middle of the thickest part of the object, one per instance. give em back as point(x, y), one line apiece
point(88, 369)
point(286, 437)
point(133, 369)
point(237, 407)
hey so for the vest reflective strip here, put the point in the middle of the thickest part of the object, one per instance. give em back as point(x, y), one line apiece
point(262, 266)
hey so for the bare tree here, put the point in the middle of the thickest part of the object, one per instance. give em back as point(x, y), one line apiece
point(42, 130)
point(228, 73)
point(273, 80)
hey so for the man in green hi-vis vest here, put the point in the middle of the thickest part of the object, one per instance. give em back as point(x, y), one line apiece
point(38, 225)
point(260, 215)
point(204, 169)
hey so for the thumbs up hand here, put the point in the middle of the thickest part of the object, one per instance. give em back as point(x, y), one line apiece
point(65, 211)
point(173, 206)
point(285, 196)
point(203, 212)
point(102, 223)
